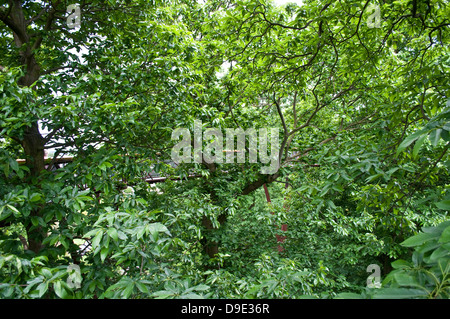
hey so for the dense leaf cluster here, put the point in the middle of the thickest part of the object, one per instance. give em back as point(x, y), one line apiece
point(86, 122)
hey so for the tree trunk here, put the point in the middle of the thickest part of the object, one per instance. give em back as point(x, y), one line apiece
point(264, 179)
point(33, 145)
point(32, 142)
point(212, 246)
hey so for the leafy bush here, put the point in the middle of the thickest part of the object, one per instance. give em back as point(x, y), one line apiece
point(364, 117)
point(427, 275)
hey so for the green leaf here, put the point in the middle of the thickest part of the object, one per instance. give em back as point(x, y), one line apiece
point(91, 233)
point(97, 238)
point(408, 141)
point(419, 239)
point(423, 249)
point(445, 135)
point(15, 211)
point(60, 290)
point(42, 288)
point(400, 264)
point(13, 164)
point(201, 287)
point(103, 253)
point(445, 205)
point(162, 294)
point(404, 279)
point(103, 166)
point(47, 273)
point(191, 296)
point(348, 295)
point(157, 228)
point(435, 136)
point(140, 231)
point(35, 197)
point(35, 220)
point(437, 229)
point(445, 237)
point(142, 287)
point(438, 253)
point(6, 169)
point(112, 232)
point(64, 242)
point(418, 145)
point(128, 290)
point(3, 214)
point(6, 290)
point(33, 282)
point(373, 177)
point(399, 293)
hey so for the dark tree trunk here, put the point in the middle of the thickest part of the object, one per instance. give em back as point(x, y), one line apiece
point(33, 144)
point(32, 141)
point(264, 179)
point(212, 246)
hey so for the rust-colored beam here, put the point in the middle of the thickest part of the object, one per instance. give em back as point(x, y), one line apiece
point(280, 238)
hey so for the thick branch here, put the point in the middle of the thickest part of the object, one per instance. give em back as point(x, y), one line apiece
point(264, 179)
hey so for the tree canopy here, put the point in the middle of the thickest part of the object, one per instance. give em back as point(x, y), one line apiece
point(93, 205)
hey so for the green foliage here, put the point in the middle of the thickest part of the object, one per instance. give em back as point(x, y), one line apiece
point(437, 128)
point(427, 275)
point(363, 115)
